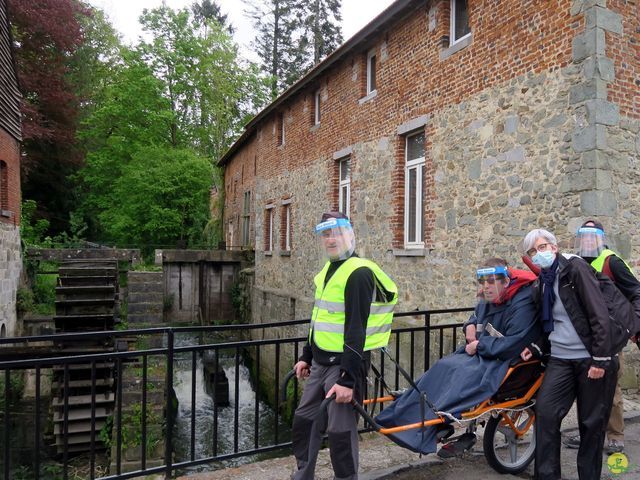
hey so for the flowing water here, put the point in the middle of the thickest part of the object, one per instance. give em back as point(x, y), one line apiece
point(204, 413)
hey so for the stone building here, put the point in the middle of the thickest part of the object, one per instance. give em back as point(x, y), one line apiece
point(10, 257)
point(446, 129)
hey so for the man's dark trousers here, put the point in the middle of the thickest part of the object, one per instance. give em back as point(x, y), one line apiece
point(340, 424)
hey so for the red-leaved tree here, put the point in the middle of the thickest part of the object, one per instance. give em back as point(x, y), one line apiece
point(46, 33)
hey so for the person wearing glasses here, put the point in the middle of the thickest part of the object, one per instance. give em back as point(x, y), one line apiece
point(581, 366)
point(504, 322)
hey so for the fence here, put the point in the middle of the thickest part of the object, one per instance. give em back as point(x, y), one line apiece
point(147, 368)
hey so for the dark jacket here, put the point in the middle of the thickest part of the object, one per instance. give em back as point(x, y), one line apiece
point(580, 295)
point(627, 283)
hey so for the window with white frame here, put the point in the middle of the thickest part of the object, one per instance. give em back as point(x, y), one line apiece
point(459, 27)
point(371, 71)
point(268, 229)
point(246, 218)
point(280, 127)
point(413, 190)
point(286, 227)
point(316, 107)
point(344, 192)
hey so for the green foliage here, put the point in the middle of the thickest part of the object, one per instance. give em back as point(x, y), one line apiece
point(32, 229)
point(131, 429)
point(16, 388)
point(163, 198)
point(240, 302)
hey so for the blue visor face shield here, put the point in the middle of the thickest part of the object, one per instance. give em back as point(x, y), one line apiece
point(491, 283)
point(590, 242)
point(336, 239)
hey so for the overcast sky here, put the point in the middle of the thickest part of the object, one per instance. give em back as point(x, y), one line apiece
point(124, 14)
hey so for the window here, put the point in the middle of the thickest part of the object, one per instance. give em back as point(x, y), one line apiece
point(371, 72)
point(280, 128)
point(344, 192)
point(4, 187)
point(316, 107)
point(268, 229)
point(413, 181)
point(459, 27)
point(246, 218)
point(286, 226)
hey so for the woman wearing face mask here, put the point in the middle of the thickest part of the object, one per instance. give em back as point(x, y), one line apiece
point(582, 367)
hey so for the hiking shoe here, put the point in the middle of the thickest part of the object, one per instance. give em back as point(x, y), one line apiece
point(572, 442)
point(614, 447)
point(444, 431)
point(457, 447)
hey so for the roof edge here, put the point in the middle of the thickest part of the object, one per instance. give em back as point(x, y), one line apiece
point(386, 16)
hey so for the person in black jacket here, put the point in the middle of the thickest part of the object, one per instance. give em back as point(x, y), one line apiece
point(582, 365)
point(592, 246)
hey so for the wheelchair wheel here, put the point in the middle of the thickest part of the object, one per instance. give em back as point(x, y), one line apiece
point(506, 449)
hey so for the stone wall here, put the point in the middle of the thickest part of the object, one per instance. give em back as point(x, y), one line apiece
point(10, 269)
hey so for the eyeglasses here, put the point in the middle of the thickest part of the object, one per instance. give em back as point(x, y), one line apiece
point(489, 280)
point(540, 248)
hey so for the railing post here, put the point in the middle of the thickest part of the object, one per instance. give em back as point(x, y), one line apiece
point(7, 436)
point(427, 341)
point(168, 448)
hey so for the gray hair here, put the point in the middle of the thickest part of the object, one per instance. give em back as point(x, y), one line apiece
point(531, 237)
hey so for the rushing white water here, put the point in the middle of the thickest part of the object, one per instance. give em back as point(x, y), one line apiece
point(204, 413)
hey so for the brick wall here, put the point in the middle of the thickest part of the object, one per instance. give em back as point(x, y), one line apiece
point(625, 52)
point(10, 179)
point(412, 79)
point(500, 117)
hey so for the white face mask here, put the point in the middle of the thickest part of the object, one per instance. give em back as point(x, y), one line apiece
point(544, 259)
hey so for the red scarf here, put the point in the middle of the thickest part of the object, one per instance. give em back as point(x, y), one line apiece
point(519, 279)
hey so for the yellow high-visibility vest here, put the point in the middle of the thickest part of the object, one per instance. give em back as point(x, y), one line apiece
point(328, 317)
point(598, 263)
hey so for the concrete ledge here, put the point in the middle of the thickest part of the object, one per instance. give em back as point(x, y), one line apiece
point(413, 124)
point(456, 47)
point(207, 255)
point(368, 97)
point(410, 252)
point(345, 152)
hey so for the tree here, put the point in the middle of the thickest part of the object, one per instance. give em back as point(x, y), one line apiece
point(47, 34)
point(131, 114)
point(164, 199)
point(211, 92)
point(279, 29)
point(323, 32)
point(205, 11)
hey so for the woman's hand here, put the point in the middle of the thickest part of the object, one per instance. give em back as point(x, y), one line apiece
point(526, 354)
point(595, 373)
point(470, 333)
point(471, 348)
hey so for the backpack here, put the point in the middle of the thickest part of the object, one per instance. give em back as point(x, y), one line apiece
point(621, 312)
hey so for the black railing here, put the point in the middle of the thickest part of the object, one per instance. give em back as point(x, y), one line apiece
point(142, 421)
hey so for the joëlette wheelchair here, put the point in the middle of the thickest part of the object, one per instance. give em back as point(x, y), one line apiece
point(508, 417)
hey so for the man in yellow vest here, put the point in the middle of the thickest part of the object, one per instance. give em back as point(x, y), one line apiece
point(591, 245)
point(352, 315)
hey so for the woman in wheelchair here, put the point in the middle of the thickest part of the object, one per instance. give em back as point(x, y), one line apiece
point(504, 322)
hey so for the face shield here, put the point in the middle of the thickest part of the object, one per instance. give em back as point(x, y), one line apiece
point(492, 282)
point(590, 242)
point(336, 240)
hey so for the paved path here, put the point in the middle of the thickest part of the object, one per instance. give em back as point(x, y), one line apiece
point(382, 459)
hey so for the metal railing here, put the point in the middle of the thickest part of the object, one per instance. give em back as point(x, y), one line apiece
point(136, 377)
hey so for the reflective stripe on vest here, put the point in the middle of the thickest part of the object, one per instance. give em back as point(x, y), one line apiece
point(598, 263)
point(327, 320)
